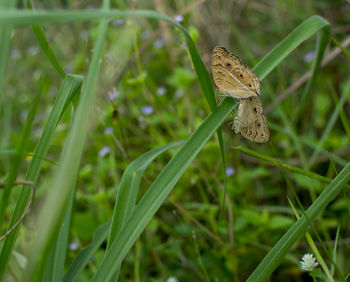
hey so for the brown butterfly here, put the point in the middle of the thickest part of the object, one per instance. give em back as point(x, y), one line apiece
point(231, 76)
point(238, 81)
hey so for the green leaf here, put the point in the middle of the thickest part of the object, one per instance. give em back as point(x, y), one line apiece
point(45, 46)
point(281, 248)
point(71, 85)
point(159, 190)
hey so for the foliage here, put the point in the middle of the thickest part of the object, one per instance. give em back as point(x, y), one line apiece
point(108, 101)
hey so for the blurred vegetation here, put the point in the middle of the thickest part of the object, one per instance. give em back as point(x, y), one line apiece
point(148, 96)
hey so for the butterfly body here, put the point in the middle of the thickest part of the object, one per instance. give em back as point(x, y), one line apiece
point(238, 81)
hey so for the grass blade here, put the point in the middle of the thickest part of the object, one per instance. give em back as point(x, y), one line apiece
point(287, 166)
point(5, 45)
point(330, 124)
point(19, 18)
point(129, 186)
point(70, 86)
point(159, 190)
point(55, 263)
point(128, 189)
point(19, 155)
point(40, 36)
point(281, 248)
point(302, 32)
point(60, 189)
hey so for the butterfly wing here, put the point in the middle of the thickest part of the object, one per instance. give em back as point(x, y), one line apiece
point(231, 76)
point(257, 131)
point(250, 120)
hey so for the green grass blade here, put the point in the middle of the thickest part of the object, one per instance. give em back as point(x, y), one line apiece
point(334, 254)
point(70, 86)
point(283, 165)
point(5, 45)
point(19, 155)
point(330, 125)
point(281, 248)
point(19, 18)
point(55, 263)
point(85, 255)
point(129, 187)
point(159, 190)
point(321, 44)
point(302, 32)
point(310, 144)
point(342, 115)
point(40, 36)
point(60, 188)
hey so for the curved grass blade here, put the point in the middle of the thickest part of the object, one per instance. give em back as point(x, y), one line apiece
point(128, 189)
point(302, 32)
point(20, 18)
point(159, 190)
point(275, 256)
point(129, 186)
point(40, 36)
point(53, 207)
point(287, 166)
point(71, 85)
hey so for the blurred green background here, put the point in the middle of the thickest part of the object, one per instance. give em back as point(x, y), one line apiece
point(149, 96)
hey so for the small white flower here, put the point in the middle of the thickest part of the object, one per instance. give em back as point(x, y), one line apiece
point(308, 262)
point(172, 279)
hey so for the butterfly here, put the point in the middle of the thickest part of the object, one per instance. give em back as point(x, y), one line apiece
point(238, 81)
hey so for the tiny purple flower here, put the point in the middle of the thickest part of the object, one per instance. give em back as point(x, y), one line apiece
point(179, 18)
point(73, 246)
point(230, 171)
point(147, 110)
point(104, 151)
point(158, 43)
point(114, 94)
point(108, 130)
point(310, 56)
point(118, 22)
point(161, 90)
point(33, 50)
